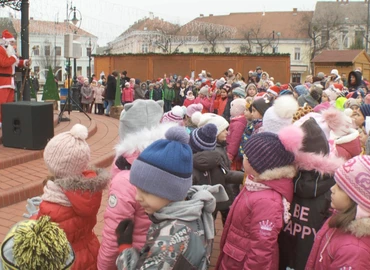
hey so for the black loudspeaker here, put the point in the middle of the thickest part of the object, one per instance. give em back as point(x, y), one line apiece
point(27, 124)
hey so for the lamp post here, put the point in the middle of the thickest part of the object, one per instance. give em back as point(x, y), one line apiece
point(89, 47)
point(274, 46)
point(77, 23)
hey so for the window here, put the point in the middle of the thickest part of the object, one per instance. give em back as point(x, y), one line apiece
point(144, 48)
point(324, 37)
point(79, 71)
point(88, 52)
point(36, 69)
point(227, 49)
point(36, 51)
point(275, 49)
point(297, 54)
point(191, 50)
point(47, 50)
point(205, 50)
point(296, 77)
point(58, 51)
point(344, 36)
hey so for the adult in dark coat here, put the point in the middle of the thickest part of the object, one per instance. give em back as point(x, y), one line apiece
point(110, 93)
point(311, 201)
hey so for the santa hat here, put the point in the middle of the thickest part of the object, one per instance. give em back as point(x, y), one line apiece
point(7, 36)
point(186, 78)
point(275, 90)
point(231, 70)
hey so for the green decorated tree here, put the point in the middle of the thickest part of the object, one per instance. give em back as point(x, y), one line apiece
point(117, 100)
point(50, 87)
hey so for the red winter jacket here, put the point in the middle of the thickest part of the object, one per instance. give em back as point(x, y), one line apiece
point(127, 94)
point(249, 239)
point(348, 146)
point(234, 136)
point(73, 203)
point(336, 249)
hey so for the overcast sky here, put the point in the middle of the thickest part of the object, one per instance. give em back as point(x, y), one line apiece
point(108, 18)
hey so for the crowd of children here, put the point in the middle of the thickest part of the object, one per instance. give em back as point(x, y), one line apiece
point(286, 166)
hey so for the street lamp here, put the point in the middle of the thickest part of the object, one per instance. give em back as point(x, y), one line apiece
point(76, 21)
point(89, 48)
point(274, 46)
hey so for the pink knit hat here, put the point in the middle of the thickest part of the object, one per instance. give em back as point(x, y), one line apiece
point(192, 108)
point(353, 177)
point(68, 153)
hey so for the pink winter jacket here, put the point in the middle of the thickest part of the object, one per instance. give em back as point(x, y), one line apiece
point(249, 239)
point(121, 205)
point(234, 136)
point(336, 249)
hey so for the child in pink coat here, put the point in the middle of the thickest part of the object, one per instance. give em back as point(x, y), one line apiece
point(249, 239)
point(344, 240)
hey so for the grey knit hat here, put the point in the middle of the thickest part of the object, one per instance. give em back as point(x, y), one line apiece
point(203, 138)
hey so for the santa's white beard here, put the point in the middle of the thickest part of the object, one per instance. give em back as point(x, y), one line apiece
point(10, 50)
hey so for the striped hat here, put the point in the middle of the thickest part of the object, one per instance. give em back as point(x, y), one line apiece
point(353, 177)
point(265, 152)
point(203, 138)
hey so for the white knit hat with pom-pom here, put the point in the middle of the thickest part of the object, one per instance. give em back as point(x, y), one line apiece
point(68, 153)
point(280, 114)
point(202, 119)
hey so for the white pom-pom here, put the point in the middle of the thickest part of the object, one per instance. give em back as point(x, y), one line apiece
point(286, 106)
point(195, 118)
point(177, 134)
point(79, 132)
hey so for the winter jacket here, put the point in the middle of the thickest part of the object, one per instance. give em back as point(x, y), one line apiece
point(188, 102)
point(156, 94)
point(212, 168)
point(121, 202)
point(138, 92)
point(99, 94)
point(249, 238)
point(73, 203)
point(341, 249)
point(221, 102)
point(236, 129)
point(87, 94)
point(206, 102)
point(168, 93)
point(311, 202)
point(358, 84)
point(348, 146)
point(226, 113)
point(181, 235)
point(127, 94)
point(110, 93)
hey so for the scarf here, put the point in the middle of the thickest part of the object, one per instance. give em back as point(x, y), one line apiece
point(252, 186)
point(53, 193)
point(200, 203)
point(182, 91)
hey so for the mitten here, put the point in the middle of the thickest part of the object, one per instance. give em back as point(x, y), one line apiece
point(32, 206)
point(124, 232)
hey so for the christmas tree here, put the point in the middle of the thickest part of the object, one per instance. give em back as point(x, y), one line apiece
point(117, 100)
point(50, 87)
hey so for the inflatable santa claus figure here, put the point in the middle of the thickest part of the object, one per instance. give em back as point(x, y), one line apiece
point(8, 61)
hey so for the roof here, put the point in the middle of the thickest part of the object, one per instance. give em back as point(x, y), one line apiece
point(284, 22)
point(337, 56)
point(354, 13)
point(50, 28)
point(149, 24)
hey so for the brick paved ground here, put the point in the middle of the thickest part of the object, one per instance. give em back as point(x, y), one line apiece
point(21, 178)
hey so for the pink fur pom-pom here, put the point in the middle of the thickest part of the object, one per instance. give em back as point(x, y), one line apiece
point(292, 138)
point(333, 118)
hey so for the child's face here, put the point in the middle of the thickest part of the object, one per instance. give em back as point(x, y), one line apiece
point(363, 136)
point(170, 85)
point(263, 76)
point(223, 93)
point(255, 114)
point(339, 199)
point(358, 118)
point(247, 167)
point(252, 91)
point(222, 136)
point(324, 98)
point(183, 85)
point(151, 203)
point(247, 115)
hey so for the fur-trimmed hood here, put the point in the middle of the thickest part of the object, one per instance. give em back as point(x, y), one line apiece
point(81, 183)
point(359, 227)
point(277, 173)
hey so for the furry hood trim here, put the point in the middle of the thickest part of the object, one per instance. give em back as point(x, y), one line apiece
point(324, 164)
point(359, 227)
point(277, 173)
point(132, 144)
point(95, 184)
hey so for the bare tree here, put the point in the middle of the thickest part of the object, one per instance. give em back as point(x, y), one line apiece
point(255, 35)
point(48, 57)
point(212, 33)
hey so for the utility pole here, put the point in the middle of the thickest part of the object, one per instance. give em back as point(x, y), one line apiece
point(25, 40)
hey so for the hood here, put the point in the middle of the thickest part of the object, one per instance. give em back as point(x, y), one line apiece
point(314, 140)
point(358, 77)
point(199, 203)
point(81, 183)
point(309, 100)
point(312, 184)
point(279, 179)
point(143, 85)
point(359, 227)
point(131, 145)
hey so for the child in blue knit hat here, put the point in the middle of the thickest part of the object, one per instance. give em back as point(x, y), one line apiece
point(182, 229)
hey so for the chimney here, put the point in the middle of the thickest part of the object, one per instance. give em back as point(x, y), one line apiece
point(210, 15)
point(201, 15)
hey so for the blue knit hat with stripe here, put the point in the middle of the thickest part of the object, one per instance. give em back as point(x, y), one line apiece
point(203, 138)
point(165, 167)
